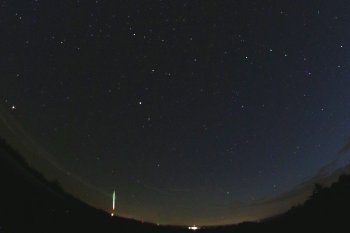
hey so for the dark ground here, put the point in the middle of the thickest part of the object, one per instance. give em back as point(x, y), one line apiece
point(29, 203)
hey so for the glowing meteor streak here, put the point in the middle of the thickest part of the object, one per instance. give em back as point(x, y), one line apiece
point(114, 200)
point(112, 214)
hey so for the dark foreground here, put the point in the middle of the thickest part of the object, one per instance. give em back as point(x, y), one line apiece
point(46, 208)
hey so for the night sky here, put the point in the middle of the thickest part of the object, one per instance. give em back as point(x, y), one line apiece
point(191, 110)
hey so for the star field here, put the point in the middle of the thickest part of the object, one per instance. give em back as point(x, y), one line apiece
point(186, 108)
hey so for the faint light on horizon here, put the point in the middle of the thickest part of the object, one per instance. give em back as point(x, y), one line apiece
point(193, 228)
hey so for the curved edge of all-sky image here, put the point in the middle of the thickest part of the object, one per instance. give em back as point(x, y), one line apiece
point(255, 210)
point(43, 161)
